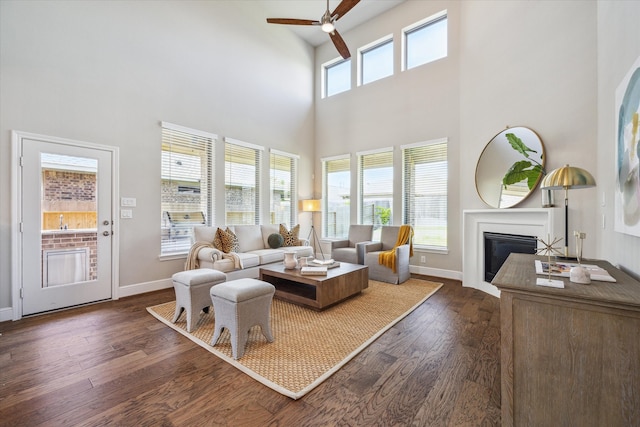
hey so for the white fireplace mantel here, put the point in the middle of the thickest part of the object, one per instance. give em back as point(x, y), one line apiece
point(541, 223)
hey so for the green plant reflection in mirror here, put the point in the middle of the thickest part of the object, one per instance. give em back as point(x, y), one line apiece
point(521, 170)
point(510, 167)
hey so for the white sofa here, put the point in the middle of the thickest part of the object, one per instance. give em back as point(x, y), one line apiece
point(254, 250)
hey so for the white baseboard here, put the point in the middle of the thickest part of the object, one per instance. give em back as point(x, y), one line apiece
point(436, 272)
point(141, 288)
point(454, 275)
point(485, 287)
point(6, 314)
point(123, 291)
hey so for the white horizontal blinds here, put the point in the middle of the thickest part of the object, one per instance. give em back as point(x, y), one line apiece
point(187, 183)
point(283, 177)
point(336, 196)
point(376, 187)
point(425, 173)
point(242, 182)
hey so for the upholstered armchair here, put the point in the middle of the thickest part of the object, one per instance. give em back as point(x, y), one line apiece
point(351, 250)
point(401, 254)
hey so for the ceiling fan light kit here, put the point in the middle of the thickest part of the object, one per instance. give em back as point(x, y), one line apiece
point(326, 23)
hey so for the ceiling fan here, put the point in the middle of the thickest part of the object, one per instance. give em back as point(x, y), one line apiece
point(326, 22)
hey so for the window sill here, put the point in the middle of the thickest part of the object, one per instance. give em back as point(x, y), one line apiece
point(431, 249)
point(173, 257)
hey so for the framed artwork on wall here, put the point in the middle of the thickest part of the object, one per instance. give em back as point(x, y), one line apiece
point(627, 200)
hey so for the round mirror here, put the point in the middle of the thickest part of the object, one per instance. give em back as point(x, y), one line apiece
point(510, 167)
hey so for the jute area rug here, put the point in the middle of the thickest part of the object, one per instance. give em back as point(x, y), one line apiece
point(309, 346)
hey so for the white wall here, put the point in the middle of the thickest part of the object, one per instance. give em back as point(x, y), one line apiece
point(510, 63)
point(618, 49)
point(108, 72)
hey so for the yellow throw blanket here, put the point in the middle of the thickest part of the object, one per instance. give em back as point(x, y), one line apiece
point(388, 258)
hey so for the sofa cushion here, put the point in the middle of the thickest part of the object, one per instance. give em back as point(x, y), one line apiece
point(225, 265)
point(249, 259)
point(250, 237)
point(267, 256)
point(268, 230)
point(299, 250)
point(290, 236)
point(204, 233)
point(226, 241)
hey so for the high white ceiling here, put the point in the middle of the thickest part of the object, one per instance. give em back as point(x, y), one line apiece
point(314, 9)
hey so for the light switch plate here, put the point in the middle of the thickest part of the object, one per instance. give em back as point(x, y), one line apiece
point(126, 213)
point(128, 201)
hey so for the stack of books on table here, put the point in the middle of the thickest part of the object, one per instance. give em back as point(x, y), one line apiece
point(313, 270)
point(328, 263)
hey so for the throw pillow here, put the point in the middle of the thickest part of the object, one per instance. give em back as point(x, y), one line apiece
point(226, 241)
point(290, 236)
point(275, 240)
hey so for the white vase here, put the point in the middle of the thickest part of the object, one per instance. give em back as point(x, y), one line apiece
point(290, 260)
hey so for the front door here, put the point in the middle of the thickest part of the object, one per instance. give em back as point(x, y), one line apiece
point(66, 225)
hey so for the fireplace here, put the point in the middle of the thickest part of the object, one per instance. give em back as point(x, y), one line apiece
point(498, 246)
point(524, 222)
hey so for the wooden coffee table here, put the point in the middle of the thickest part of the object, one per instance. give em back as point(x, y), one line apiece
point(316, 292)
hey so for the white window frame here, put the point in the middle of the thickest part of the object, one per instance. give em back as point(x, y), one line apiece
point(293, 187)
point(368, 48)
point(407, 211)
point(442, 15)
point(324, 84)
point(209, 186)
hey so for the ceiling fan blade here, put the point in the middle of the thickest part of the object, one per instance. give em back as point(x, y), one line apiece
point(291, 21)
point(344, 7)
point(340, 44)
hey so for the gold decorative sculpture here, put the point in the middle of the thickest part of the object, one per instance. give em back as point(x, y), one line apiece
point(549, 250)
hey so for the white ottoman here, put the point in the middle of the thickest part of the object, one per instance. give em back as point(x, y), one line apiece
point(192, 292)
point(239, 305)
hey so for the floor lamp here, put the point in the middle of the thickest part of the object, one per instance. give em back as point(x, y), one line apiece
point(567, 177)
point(313, 205)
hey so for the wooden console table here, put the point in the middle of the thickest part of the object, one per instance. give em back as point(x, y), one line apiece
point(569, 357)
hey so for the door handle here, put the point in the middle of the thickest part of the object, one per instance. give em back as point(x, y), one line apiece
point(105, 233)
point(105, 222)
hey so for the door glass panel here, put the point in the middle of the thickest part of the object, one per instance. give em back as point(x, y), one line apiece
point(68, 200)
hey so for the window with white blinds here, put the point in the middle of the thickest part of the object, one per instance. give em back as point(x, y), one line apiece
point(336, 196)
point(242, 182)
point(186, 197)
point(282, 179)
point(424, 188)
point(375, 170)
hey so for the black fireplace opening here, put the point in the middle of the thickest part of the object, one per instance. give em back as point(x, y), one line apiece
point(498, 246)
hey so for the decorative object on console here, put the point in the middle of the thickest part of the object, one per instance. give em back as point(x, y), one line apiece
point(567, 177)
point(312, 205)
point(579, 274)
point(515, 157)
point(549, 250)
point(627, 194)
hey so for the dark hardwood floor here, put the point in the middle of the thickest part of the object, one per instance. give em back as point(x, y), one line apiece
point(114, 364)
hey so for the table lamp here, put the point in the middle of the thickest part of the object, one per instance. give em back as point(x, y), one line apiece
point(567, 177)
